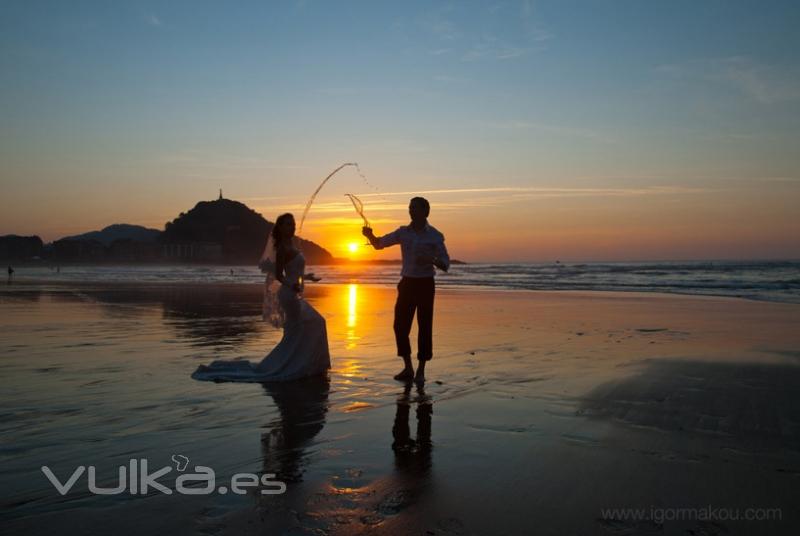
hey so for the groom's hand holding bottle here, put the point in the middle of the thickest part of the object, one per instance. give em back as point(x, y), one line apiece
point(367, 231)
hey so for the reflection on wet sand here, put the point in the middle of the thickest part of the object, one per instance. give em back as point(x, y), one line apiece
point(350, 502)
point(209, 315)
point(754, 405)
point(412, 456)
point(230, 316)
point(214, 316)
point(28, 295)
point(352, 315)
point(549, 407)
point(302, 407)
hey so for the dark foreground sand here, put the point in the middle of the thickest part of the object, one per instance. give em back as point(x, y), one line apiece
point(543, 411)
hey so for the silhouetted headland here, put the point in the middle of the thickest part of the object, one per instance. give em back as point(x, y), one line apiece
point(222, 231)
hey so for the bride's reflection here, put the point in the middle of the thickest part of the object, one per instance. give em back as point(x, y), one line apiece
point(302, 407)
point(413, 455)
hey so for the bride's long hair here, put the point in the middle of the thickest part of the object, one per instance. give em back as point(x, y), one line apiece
point(272, 310)
point(277, 235)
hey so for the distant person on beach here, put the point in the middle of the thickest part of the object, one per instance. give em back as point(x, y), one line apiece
point(422, 248)
point(10, 274)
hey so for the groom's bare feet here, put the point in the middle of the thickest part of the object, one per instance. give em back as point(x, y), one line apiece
point(405, 375)
point(420, 376)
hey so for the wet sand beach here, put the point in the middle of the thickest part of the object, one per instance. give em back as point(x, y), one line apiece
point(543, 413)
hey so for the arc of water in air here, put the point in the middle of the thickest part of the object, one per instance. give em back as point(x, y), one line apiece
point(314, 195)
point(359, 206)
point(375, 190)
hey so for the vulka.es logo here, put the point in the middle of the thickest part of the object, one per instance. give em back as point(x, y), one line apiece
point(136, 479)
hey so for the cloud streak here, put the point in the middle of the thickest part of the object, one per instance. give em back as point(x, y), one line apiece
point(649, 190)
point(493, 48)
point(481, 197)
point(517, 124)
point(759, 82)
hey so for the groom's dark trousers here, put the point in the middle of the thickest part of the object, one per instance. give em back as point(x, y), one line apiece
point(414, 294)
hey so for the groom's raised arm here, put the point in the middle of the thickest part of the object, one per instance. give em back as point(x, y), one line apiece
point(380, 242)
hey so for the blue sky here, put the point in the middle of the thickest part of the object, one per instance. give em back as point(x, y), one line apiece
point(123, 111)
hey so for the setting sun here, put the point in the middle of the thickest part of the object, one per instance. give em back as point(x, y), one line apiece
point(352, 247)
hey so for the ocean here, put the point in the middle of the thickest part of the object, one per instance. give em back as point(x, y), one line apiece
point(777, 281)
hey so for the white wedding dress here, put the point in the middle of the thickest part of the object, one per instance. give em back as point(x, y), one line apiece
point(302, 352)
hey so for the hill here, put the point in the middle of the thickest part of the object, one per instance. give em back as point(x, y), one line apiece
point(241, 232)
point(13, 247)
point(119, 231)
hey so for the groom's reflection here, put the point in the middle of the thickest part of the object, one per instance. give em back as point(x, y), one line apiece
point(413, 455)
point(302, 407)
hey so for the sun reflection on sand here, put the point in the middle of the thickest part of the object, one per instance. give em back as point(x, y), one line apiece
point(349, 368)
point(358, 320)
point(352, 315)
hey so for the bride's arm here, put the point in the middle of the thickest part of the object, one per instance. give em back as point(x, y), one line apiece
point(279, 265)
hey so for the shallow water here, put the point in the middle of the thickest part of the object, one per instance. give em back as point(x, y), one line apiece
point(777, 281)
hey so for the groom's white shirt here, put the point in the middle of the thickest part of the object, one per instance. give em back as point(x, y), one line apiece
point(429, 241)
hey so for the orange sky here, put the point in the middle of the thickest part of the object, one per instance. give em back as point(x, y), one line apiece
point(582, 220)
point(720, 219)
point(723, 220)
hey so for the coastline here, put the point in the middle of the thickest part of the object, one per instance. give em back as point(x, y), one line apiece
point(771, 281)
point(52, 285)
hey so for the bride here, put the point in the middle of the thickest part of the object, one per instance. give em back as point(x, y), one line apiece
point(303, 350)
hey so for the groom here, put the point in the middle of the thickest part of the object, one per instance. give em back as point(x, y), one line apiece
point(423, 248)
